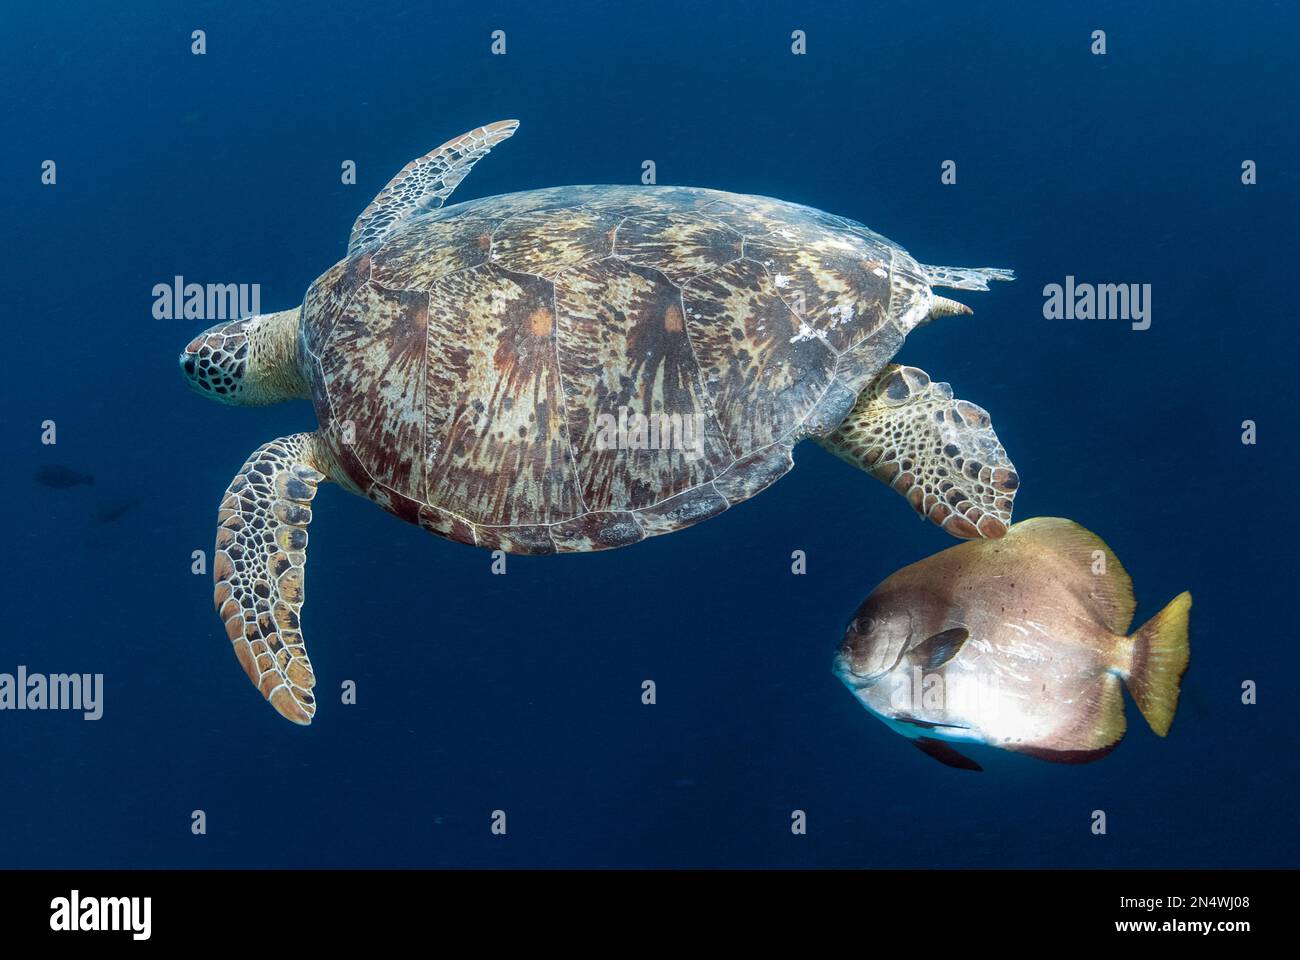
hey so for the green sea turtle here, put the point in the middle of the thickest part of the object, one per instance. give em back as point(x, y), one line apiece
point(575, 369)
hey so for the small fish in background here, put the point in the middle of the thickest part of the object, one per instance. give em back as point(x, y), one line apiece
point(115, 509)
point(1019, 643)
point(59, 477)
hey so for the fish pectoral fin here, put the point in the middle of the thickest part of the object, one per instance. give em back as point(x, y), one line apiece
point(945, 754)
point(933, 652)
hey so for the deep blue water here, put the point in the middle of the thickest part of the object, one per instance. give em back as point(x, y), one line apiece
point(522, 692)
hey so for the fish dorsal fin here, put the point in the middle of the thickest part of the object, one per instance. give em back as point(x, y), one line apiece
point(1098, 577)
point(933, 652)
point(426, 183)
point(945, 754)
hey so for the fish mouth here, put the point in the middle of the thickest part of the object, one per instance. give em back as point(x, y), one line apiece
point(842, 667)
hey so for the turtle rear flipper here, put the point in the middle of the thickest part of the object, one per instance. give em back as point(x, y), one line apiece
point(937, 451)
point(965, 278)
point(258, 569)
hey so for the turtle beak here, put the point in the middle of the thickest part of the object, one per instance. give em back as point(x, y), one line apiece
point(188, 362)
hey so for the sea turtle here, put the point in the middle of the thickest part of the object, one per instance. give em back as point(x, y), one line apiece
point(575, 369)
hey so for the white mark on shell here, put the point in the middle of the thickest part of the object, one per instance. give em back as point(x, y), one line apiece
point(845, 312)
point(807, 333)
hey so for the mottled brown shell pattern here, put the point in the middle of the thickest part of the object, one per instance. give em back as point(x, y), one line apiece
point(466, 369)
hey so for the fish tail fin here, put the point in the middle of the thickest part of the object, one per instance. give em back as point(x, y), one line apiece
point(1160, 655)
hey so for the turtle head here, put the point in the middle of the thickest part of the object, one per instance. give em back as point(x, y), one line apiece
point(247, 363)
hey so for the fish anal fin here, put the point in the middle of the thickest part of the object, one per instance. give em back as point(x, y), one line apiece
point(1097, 731)
point(1066, 756)
point(945, 754)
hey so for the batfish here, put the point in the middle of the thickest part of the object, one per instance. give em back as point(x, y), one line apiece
point(1020, 643)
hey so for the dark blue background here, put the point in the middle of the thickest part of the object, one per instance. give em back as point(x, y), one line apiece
point(522, 692)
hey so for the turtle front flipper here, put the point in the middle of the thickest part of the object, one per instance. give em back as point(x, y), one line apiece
point(258, 568)
point(426, 183)
point(939, 452)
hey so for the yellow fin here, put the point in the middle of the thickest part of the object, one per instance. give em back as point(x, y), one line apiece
point(1108, 722)
point(1160, 656)
point(1102, 579)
